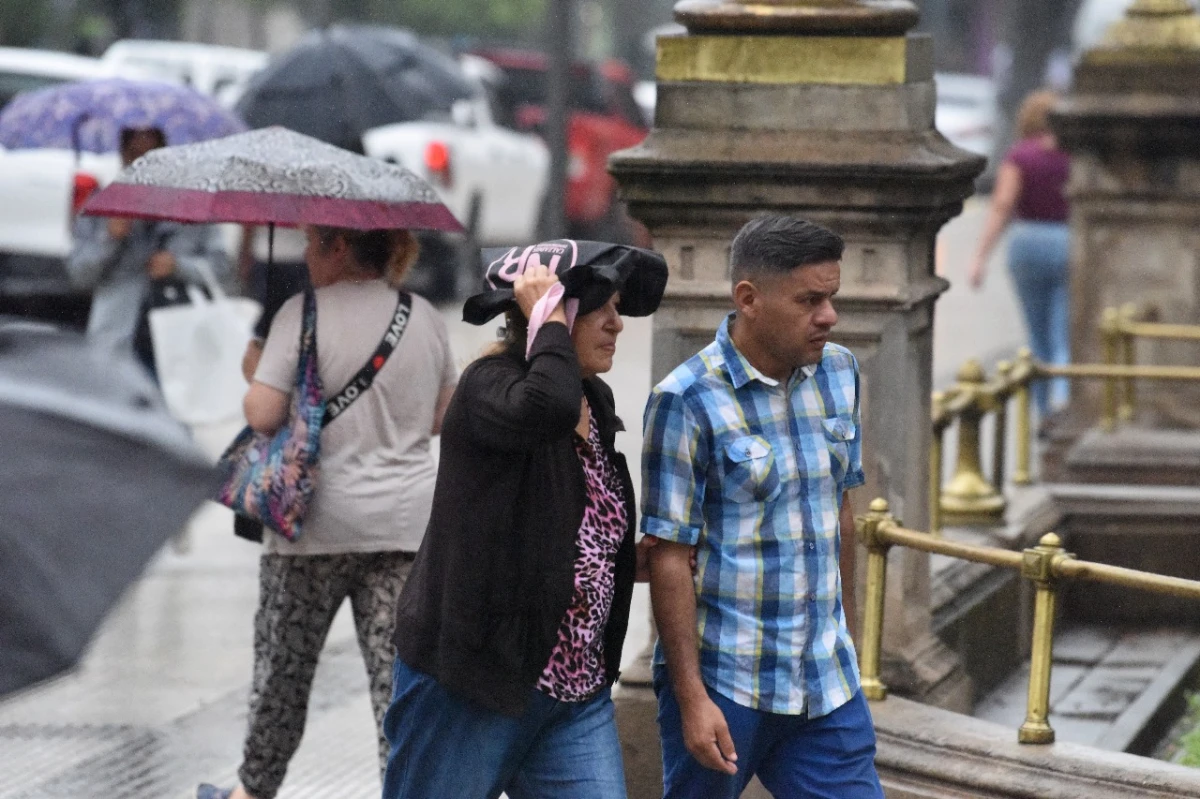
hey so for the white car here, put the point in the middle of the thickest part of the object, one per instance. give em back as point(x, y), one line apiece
point(966, 111)
point(491, 178)
point(24, 69)
point(1092, 21)
point(221, 72)
point(37, 189)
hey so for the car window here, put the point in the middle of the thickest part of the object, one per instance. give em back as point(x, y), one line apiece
point(12, 83)
point(528, 86)
point(622, 103)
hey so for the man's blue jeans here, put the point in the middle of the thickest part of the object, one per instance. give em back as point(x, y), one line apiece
point(444, 747)
point(795, 757)
point(1037, 262)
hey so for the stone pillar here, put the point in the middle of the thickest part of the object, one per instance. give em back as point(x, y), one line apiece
point(823, 109)
point(1131, 124)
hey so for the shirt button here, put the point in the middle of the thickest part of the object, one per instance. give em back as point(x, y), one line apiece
point(812, 545)
point(812, 597)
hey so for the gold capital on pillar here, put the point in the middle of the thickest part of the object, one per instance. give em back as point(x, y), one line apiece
point(1157, 25)
point(828, 17)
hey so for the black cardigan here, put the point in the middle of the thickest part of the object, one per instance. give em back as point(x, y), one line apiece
point(495, 573)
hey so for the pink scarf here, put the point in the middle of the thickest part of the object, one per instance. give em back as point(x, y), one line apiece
point(542, 310)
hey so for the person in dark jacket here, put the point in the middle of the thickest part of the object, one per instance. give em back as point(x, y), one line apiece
point(509, 631)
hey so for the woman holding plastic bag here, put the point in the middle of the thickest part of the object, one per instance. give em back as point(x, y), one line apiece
point(509, 633)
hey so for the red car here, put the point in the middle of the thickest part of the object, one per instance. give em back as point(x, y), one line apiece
point(604, 118)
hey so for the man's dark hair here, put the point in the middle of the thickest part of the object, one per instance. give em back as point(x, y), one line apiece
point(776, 244)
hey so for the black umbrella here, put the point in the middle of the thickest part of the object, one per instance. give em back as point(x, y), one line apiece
point(341, 81)
point(96, 476)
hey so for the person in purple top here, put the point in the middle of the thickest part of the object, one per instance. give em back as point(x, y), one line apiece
point(1029, 193)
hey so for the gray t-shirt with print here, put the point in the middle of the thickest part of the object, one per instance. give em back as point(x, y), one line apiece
point(375, 485)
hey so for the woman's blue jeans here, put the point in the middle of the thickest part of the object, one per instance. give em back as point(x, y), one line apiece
point(444, 746)
point(1037, 261)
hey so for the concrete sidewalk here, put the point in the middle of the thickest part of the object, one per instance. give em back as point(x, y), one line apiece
point(159, 702)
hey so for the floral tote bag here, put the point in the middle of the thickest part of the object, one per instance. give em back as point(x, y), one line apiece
point(271, 478)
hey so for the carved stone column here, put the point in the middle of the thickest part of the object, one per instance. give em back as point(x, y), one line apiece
point(1131, 124)
point(822, 109)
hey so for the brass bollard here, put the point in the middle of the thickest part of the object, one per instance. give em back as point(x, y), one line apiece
point(935, 467)
point(1110, 335)
point(1004, 371)
point(1021, 469)
point(1038, 566)
point(872, 630)
point(969, 498)
point(1128, 403)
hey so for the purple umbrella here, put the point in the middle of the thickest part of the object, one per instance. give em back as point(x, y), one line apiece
point(89, 115)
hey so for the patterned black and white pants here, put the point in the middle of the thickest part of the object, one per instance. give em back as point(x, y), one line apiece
point(299, 595)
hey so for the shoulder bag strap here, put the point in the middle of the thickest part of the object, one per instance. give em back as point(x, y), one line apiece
point(362, 381)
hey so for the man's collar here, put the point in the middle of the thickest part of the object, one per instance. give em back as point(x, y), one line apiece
point(741, 371)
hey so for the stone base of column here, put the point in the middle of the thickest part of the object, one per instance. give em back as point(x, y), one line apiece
point(1128, 456)
point(929, 672)
point(637, 725)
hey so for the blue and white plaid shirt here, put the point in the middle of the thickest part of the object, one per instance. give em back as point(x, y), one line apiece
point(751, 471)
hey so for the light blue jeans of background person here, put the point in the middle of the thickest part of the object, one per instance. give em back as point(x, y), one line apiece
point(444, 747)
point(1037, 261)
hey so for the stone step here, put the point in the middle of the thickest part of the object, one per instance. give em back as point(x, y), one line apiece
point(1115, 689)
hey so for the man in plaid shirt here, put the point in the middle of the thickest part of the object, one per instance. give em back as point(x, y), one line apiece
point(750, 448)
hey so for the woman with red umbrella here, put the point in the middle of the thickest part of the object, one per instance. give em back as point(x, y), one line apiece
point(372, 499)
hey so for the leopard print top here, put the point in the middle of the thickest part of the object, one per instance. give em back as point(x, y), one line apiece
point(576, 670)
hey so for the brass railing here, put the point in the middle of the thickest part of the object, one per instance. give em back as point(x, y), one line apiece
point(969, 497)
point(1120, 329)
point(1046, 565)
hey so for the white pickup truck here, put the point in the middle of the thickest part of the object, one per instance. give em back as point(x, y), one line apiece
point(38, 189)
point(492, 178)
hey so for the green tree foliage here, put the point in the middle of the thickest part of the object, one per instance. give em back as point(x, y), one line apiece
point(1190, 740)
point(517, 19)
point(24, 23)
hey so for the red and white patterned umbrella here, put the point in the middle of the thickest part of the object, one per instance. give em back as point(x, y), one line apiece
point(272, 176)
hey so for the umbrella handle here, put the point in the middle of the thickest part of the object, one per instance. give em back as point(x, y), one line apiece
point(75, 146)
point(210, 281)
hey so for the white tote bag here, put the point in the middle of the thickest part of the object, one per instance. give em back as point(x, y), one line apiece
point(198, 349)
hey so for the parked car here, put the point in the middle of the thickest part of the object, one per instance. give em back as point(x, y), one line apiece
point(220, 72)
point(966, 111)
point(37, 190)
point(492, 178)
point(1093, 19)
point(24, 69)
point(604, 117)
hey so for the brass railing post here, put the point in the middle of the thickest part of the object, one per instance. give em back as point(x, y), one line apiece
point(872, 629)
point(1110, 335)
point(935, 465)
point(1021, 469)
point(1038, 566)
point(1129, 314)
point(1000, 438)
point(969, 498)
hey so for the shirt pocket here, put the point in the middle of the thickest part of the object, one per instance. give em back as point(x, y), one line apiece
point(751, 474)
point(840, 432)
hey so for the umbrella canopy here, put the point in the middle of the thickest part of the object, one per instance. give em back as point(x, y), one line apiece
point(272, 176)
point(88, 116)
point(339, 82)
point(98, 476)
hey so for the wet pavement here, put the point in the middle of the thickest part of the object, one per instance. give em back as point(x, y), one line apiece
point(159, 701)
